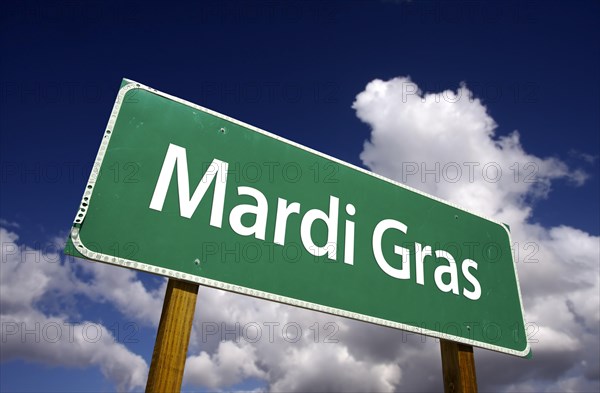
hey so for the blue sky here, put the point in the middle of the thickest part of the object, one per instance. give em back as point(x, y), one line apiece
point(295, 69)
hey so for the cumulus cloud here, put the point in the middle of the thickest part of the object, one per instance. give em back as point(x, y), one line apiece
point(290, 349)
point(229, 365)
point(318, 368)
point(446, 144)
point(127, 293)
point(37, 320)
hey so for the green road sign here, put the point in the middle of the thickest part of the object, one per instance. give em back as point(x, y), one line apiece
point(181, 191)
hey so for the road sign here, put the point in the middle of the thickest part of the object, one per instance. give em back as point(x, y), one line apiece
point(181, 191)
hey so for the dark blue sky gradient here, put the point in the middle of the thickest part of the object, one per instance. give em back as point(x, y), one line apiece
point(291, 68)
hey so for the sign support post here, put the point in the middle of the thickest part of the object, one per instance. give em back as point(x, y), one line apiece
point(168, 141)
point(172, 338)
point(458, 367)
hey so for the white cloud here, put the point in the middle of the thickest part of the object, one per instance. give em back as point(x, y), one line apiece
point(411, 132)
point(229, 365)
point(31, 281)
point(420, 139)
point(127, 293)
point(558, 267)
point(331, 368)
point(291, 349)
point(445, 144)
point(33, 336)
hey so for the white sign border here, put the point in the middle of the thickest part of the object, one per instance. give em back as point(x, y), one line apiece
point(100, 257)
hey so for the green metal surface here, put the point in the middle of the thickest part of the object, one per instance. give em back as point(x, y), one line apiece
point(118, 226)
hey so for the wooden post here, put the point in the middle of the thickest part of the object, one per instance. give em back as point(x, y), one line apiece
point(173, 337)
point(458, 367)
